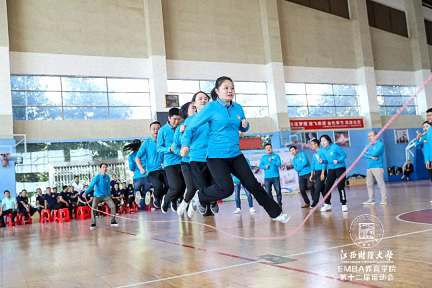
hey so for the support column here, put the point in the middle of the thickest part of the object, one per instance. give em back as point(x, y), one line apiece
point(369, 107)
point(157, 54)
point(420, 52)
point(274, 67)
point(7, 142)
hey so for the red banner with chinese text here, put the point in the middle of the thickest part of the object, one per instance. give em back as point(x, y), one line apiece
point(326, 123)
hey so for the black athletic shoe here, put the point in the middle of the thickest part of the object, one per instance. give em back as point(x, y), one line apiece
point(174, 206)
point(114, 223)
point(214, 208)
point(92, 226)
point(164, 206)
point(203, 209)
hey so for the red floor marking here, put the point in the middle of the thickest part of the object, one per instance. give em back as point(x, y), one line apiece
point(265, 263)
point(421, 216)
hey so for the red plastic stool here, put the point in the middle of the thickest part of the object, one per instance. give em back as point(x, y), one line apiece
point(9, 220)
point(45, 216)
point(19, 220)
point(83, 212)
point(62, 215)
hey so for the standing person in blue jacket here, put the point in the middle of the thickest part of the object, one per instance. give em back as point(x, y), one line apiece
point(302, 166)
point(140, 181)
point(318, 174)
point(422, 143)
point(428, 142)
point(187, 111)
point(149, 162)
point(334, 158)
point(197, 143)
point(102, 193)
point(375, 169)
point(171, 161)
point(225, 119)
point(270, 163)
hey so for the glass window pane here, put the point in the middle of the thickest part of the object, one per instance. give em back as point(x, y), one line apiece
point(410, 110)
point(256, 112)
point(345, 90)
point(130, 113)
point(83, 84)
point(380, 100)
point(395, 101)
point(407, 90)
point(319, 100)
point(388, 90)
point(296, 100)
point(44, 113)
point(179, 86)
point(18, 98)
point(321, 111)
point(345, 100)
point(75, 113)
point(128, 85)
point(297, 111)
point(35, 83)
point(295, 88)
point(19, 113)
point(251, 99)
point(347, 111)
point(206, 86)
point(129, 99)
point(41, 98)
point(250, 87)
point(85, 99)
point(319, 89)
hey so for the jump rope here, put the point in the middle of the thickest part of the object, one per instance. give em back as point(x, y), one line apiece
point(295, 230)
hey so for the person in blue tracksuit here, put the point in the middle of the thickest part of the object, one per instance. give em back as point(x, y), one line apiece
point(422, 144)
point(171, 161)
point(375, 169)
point(187, 111)
point(226, 119)
point(319, 172)
point(100, 184)
point(237, 190)
point(198, 159)
point(428, 144)
point(140, 181)
point(149, 162)
point(301, 165)
point(334, 158)
point(270, 163)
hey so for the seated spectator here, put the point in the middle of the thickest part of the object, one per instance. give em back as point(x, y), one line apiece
point(8, 206)
point(40, 200)
point(65, 201)
point(408, 169)
point(117, 196)
point(77, 184)
point(51, 201)
point(54, 191)
point(85, 201)
point(128, 193)
point(24, 206)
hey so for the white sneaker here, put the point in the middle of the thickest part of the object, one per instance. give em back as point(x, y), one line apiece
point(181, 209)
point(369, 202)
point(326, 208)
point(344, 208)
point(252, 211)
point(283, 218)
point(191, 209)
point(237, 211)
point(384, 203)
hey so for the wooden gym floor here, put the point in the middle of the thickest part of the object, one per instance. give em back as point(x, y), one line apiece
point(173, 254)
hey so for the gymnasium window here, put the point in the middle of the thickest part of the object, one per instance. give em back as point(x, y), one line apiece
point(387, 18)
point(321, 100)
point(251, 95)
point(77, 98)
point(392, 97)
point(335, 7)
